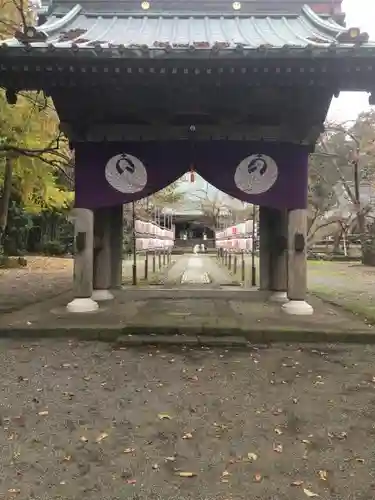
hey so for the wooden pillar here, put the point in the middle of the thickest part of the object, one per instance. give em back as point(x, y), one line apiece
point(83, 261)
point(264, 248)
point(297, 264)
point(102, 255)
point(279, 256)
point(116, 246)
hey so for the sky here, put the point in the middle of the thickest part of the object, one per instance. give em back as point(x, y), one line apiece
point(361, 14)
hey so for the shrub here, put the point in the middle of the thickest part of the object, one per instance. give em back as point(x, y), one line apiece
point(55, 248)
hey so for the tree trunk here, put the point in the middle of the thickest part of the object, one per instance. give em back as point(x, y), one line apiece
point(4, 201)
point(367, 241)
point(361, 220)
point(336, 242)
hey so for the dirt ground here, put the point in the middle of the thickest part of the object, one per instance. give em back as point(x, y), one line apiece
point(42, 278)
point(46, 277)
point(84, 421)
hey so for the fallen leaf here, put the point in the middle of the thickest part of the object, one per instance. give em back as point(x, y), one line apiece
point(323, 475)
point(188, 435)
point(309, 493)
point(20, 420)
point(339, 435)
point(278, 448)
point(296, 483)
point(186, 474)
point(164, 416)
point(129, 450)
point(43, 413)
point(258, 478)
point(102, 436)
point(252, 457)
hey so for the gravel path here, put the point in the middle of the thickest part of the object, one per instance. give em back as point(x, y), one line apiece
point(83, 421)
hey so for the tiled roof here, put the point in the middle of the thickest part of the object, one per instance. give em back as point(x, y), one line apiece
point(221, 7)
point(81, 30)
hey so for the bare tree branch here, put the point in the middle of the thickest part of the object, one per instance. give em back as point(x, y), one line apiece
point(20, 6)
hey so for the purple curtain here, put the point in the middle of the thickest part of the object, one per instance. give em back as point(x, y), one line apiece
point(118, 173)
point(270, 174)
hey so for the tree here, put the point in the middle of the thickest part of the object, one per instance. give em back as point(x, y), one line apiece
point(34, 156)
point(32, 153)
point(16, 14)
point(164, 198)
point(217, 209)
point(341, 171)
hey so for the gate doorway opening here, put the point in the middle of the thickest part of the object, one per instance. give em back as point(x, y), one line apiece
point(176, 229)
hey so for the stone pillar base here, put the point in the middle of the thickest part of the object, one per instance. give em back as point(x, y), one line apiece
point(82, 305)
point(281, 297)
point(297, 308)
point(102, 295)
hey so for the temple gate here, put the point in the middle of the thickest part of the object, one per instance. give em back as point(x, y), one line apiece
point(146, 90)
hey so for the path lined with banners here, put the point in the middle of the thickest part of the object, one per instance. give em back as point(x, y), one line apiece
point(197, 270)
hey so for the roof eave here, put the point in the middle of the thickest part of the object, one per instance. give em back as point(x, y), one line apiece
point(104, 51)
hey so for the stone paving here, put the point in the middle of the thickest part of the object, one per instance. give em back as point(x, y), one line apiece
point(198, 270)
point(197, 310)
point(195, 272)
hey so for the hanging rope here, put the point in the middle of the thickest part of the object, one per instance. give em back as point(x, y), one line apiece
point(192, 154)
point(192, 173)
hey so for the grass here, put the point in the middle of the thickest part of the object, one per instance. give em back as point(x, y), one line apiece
point(345, 285)
point(350, 301)
point(154, 278)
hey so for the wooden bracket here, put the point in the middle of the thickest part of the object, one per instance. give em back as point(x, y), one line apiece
point(299, 242)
